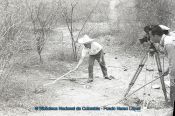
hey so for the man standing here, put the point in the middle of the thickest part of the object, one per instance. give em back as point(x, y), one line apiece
point(95, 52)
point(168, 43)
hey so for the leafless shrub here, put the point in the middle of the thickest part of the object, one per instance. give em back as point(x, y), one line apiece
point(11, 36)
point(72, 12)
point(43, 17)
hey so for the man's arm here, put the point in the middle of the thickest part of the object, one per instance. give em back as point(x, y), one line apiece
point(79, 63)
point(83, 54)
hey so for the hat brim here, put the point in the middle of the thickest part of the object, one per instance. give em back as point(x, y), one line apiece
point(163, 27)
point(85, 42)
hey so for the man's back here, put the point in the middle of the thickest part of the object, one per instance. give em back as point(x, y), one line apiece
point(95, 48)
point(169, 45)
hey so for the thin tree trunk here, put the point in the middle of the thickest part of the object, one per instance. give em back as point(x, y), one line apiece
point(40, 58)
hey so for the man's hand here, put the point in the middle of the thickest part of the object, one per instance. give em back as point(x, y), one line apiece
point(161, 49)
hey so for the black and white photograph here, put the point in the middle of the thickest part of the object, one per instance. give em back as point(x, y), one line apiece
point(87, 57)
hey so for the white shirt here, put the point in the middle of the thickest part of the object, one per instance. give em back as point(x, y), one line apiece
point(168, 42)
point(95, 48)
point(172, 33)
point(165, 40)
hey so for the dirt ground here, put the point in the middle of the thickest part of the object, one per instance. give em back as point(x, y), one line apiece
point(71, 92)
point(101, 92)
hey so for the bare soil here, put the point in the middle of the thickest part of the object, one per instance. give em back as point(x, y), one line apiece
point(102, 92)
point(70, 91)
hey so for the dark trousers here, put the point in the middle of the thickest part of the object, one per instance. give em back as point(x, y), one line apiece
point(100, 58)
point(172, 91)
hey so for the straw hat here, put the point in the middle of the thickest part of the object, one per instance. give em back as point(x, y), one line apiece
point(85, 39)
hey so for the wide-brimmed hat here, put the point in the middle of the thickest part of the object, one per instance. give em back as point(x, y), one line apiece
point(85, 39)
point(163, 27)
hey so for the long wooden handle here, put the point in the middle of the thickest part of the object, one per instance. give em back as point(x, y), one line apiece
point(58, 78)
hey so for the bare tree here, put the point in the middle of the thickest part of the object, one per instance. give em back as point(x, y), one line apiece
point(68, 12)
point(42, 17)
